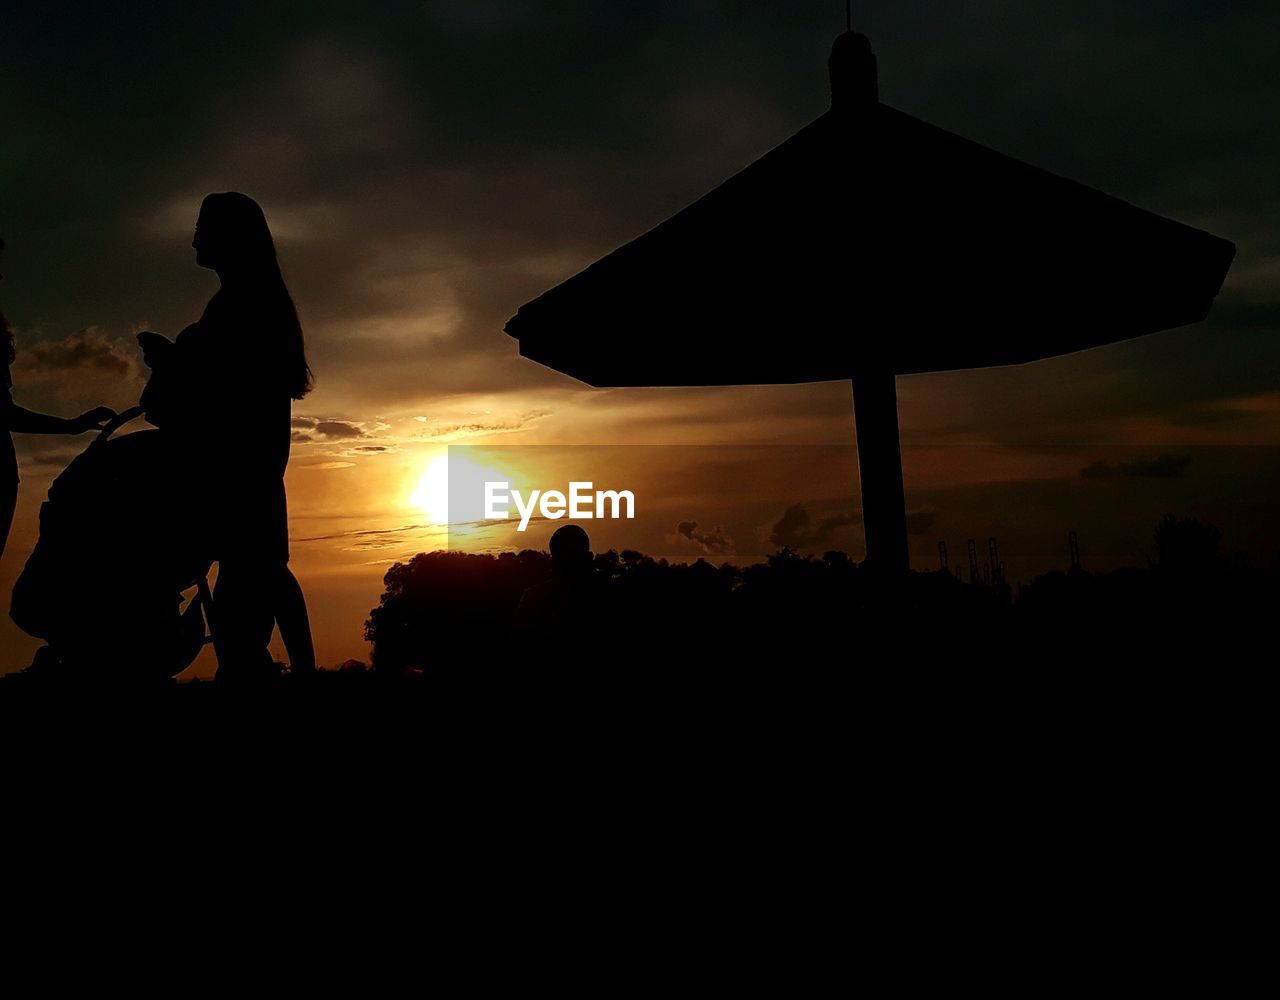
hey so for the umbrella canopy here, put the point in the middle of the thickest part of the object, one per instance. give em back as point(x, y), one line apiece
point(871, 245)
point(872, 238)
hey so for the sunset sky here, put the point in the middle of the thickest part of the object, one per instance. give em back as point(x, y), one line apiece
point(428, 167)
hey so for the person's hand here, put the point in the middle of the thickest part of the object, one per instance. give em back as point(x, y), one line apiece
point(93, 419)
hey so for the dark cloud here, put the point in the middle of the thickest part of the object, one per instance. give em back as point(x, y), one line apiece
point(376, 538)
point(711, 542)
point(422, 188)
point(337, 430)
point(477, 427)
point(796, 529)
point(1162, 467)
point(87, 351)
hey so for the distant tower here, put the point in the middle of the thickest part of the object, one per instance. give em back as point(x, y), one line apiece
point(997, 567)
point(973, 561)
point(1074, 542)
point(943, 562)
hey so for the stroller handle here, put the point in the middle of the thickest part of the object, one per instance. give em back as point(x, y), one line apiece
point(120, 419)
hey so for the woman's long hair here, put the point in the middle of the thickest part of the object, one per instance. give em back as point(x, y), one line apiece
point(236, 228)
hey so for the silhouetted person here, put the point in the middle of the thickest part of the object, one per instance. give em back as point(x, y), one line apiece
point(16, 418)
point(571, 601)
point(223, 391)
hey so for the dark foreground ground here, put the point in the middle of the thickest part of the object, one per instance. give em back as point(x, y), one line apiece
point(782, 776)
point(900, 693)
point(792, 709)
point(928, 804)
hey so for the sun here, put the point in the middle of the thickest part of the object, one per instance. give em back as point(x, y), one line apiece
point(432, 493)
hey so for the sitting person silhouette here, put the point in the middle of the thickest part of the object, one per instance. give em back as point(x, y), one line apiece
point(15, 418)
point(223, 390)
point(572, 599)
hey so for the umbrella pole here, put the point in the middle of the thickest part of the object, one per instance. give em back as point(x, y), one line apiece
point(884, 504)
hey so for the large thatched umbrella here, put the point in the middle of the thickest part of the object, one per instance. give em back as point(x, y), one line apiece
point(871, 245)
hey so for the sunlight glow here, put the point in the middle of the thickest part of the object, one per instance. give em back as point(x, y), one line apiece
point(431, 495)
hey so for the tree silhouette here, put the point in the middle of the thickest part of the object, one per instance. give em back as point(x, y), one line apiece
point(1186, 546)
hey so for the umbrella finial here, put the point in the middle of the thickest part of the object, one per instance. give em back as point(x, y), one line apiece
point(853, 72)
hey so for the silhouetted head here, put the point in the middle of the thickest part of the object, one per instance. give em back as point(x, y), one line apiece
point(232, 234)
point(571, 550)
point(232, 237)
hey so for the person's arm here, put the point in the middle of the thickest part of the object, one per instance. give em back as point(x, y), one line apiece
point(18, 418)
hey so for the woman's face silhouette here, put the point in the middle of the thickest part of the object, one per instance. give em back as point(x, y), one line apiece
point(204, 245)
point(232, 234)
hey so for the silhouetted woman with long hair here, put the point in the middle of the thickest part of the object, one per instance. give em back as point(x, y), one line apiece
point(223, 390)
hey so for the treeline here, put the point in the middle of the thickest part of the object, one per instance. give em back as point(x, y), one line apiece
point(454, 610)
